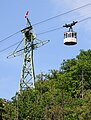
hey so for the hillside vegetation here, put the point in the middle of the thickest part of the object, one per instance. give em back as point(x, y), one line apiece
point(63, 94)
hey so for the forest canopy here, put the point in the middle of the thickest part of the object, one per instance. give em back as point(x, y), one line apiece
point(63, 94)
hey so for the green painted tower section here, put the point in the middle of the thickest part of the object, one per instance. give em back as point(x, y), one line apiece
point(27, 78)
point(30, 43)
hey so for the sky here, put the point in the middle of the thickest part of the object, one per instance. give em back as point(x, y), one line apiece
point(49, 56)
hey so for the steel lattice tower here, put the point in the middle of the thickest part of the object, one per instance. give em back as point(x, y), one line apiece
point(27, 75)
point(27, 78)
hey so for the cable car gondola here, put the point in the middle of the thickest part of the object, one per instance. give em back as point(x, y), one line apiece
point(70, 37)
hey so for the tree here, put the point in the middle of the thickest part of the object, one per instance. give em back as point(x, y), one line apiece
point(63, 94)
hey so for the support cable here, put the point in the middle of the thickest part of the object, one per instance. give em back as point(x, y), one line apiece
point(9, 47)
point(62, 27)
point(44, 33)
point(84, 19)
point(48, 20)
point(62, 14)
point(10, 36)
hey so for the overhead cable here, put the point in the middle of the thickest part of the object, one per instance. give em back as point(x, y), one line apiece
point(85, 19)
point(42, 33)
point(9, 46)
point(62, 14)
point(50, 30)
point(48, 20)
point(61, 27)
point(10, 36)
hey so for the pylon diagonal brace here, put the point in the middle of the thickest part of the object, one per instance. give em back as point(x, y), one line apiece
point(27, 75)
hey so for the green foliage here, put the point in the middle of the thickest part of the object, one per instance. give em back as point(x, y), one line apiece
point(58, 95)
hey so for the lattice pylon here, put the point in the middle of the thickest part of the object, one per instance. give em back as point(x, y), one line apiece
point(27, 78)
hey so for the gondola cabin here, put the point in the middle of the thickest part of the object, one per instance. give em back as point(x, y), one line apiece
point(70, 38)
